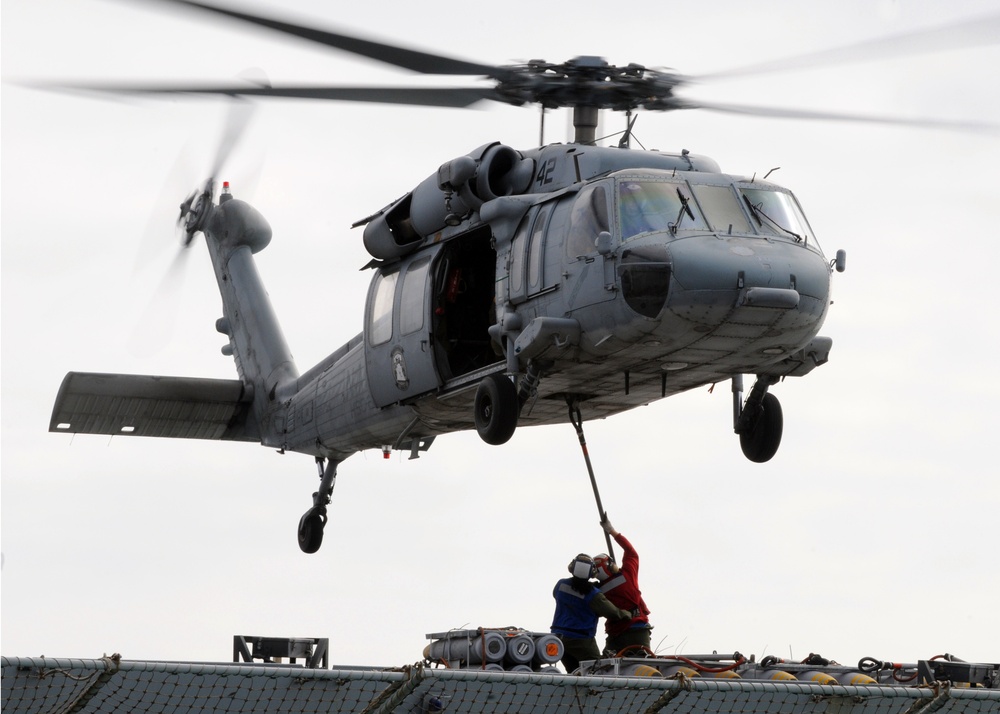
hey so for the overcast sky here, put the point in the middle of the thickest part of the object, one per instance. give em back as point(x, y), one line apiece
point(873, 532)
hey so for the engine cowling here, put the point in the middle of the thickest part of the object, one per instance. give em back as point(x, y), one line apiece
point(449, 196)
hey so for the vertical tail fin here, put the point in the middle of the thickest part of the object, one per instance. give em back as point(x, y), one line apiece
point(234, 231)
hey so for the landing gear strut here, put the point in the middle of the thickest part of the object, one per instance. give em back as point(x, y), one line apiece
point(314, 520)
point(758, 421)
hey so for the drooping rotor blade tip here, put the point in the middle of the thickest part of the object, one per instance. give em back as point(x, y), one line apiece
point(783, 113)
point(413, 60)
point(969, 33)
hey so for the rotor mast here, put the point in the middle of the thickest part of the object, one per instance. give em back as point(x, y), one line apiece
point(585, 125)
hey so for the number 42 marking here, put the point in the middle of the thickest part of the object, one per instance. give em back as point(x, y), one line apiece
point(545, 171)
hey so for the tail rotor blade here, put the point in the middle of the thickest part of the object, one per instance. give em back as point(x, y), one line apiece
point(238, 119)
point(155, 325)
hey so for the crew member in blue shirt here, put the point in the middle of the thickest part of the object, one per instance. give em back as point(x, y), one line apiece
point(579, 605)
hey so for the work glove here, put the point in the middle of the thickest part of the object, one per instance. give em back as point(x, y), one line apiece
point(606, 525)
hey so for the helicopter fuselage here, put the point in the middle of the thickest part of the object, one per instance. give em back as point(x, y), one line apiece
point(509, 289)
point(615, 290)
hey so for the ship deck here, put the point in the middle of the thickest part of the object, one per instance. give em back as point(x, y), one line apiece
point(112, 684)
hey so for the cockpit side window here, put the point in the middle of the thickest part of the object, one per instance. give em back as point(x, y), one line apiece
point(535, 248)
point(588, 218)
point(652, 206)
point(526, 268)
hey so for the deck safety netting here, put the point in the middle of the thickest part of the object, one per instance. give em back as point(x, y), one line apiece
point(40, 685)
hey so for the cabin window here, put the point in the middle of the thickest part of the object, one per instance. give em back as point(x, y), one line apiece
point(588, 219)
point(655, 206)
point(411, 299)
point(776, 213)
point(721, 208)
point(380, 318)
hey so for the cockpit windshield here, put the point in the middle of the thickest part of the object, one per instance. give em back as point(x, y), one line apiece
point(776, 213)
point(648, 206)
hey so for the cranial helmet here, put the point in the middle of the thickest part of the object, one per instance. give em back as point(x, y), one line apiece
point(582, 566)
point(604, 566)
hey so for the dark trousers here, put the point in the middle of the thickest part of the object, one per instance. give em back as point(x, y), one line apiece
point(629, 638)
point(578, 649)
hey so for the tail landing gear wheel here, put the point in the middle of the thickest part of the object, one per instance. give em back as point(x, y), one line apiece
point(311, 529)
point(761, 440)
point(312, 522)
point(496, 409)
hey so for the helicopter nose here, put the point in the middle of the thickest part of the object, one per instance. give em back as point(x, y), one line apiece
point(743, 296)
point(763, 271)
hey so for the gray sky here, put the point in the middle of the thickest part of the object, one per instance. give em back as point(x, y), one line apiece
point(871, 533)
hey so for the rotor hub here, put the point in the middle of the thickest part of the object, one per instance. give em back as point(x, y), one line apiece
point(588, 82)
point(194, 213)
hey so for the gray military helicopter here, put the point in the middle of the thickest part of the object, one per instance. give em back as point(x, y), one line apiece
point(510, 287)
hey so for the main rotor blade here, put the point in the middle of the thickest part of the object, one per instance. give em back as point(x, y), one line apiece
point(972, 33)
point(777, 112)
point(413, 60)
point(420, 96)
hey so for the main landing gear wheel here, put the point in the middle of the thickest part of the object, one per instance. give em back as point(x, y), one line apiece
point(761, 439)
point(496, 409)
point(311, 529)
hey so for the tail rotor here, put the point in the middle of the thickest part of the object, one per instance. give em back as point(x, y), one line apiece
point(195, 209)
point(155, 323)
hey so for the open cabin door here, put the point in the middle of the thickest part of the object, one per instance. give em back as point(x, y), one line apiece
point(399, 353)
point(427, 318)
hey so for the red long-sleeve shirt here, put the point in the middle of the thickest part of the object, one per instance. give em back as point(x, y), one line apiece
point(622, 589)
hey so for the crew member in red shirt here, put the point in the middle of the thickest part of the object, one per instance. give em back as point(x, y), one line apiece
point(620, 584)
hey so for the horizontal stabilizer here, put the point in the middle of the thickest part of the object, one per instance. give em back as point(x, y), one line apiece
point(141, 405)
